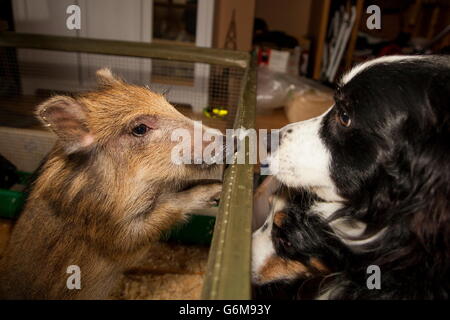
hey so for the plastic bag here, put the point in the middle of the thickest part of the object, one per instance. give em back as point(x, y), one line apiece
point(277, 90)
point(274, 88)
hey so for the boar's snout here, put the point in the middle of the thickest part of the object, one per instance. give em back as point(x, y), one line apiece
point(216, 148)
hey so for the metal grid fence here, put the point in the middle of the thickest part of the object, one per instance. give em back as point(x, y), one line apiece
point(29, 76)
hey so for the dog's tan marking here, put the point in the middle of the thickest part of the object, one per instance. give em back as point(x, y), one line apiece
point(278, 218)
point(278, 268)
point(317, 264)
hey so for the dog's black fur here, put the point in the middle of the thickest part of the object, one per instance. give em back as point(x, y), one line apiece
point(392, 167)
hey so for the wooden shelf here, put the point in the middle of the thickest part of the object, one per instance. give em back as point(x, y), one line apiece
point(319, 28)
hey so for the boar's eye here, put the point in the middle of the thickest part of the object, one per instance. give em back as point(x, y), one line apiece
point(140, 130)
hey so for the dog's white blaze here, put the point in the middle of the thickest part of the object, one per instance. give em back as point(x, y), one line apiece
point(262, 249)
point(386, 59)
point(302, 159)
point(262, 245)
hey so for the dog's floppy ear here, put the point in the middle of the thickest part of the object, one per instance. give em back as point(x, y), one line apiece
point(277, 269)
point(431, 168)
point(432, 223)
point(66, 117)
point(431, 220)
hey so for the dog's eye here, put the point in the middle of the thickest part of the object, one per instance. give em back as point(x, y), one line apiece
point(344, 119)
point(140, 130)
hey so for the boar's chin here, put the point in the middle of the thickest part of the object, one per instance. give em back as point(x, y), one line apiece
point(206, 171)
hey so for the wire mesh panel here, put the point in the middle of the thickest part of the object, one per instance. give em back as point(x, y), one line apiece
point(205, 92)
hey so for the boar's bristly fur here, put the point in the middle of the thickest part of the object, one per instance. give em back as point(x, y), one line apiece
point(103, 194)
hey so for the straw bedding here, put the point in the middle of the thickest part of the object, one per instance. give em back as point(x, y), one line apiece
point(170, 271)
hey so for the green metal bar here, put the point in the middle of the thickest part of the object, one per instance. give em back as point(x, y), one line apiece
point(229, 263)
point(125, 48)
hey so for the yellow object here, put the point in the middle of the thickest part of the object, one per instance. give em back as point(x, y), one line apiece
point(215, 112)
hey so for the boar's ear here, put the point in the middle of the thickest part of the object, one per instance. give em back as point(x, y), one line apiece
point(106, 78)
point(67, 118)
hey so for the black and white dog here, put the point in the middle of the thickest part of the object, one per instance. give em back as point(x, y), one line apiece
point(368, 188)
